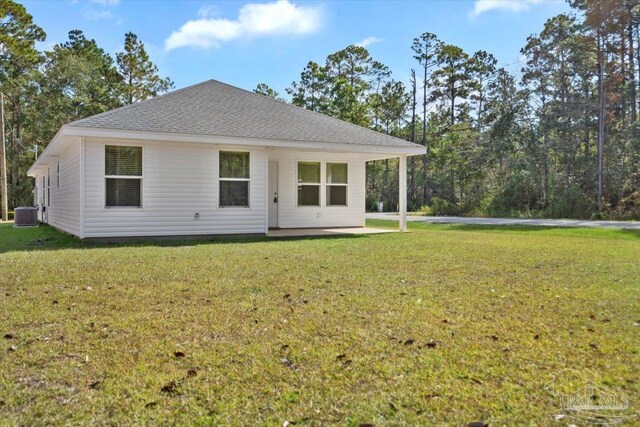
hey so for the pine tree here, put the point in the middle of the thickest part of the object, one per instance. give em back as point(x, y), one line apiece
point(311, 91)
point(264, 89)
point(19, 60)
point(140, 79)
point(424, 49)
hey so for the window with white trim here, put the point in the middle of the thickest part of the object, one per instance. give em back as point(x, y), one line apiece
point(308, 183)
point(337, 182)
point(123, 176)
point(234, 177)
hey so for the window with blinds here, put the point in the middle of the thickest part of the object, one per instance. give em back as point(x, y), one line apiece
point(308, 183)
point(337, 181)
point(123, 173)
point(235, 177)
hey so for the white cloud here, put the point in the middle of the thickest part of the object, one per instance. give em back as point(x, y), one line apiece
point(96, 15)
point(100, 11)
point(482, 6)
point(254, 20)
point(105, 2)
point(368, 41)
point(208, 11)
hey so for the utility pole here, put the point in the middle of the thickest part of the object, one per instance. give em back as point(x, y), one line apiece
point(3, 164)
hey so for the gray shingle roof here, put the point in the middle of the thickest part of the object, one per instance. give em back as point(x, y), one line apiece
point(213, 108)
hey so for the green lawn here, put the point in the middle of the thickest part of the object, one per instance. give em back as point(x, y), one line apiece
point(446, 324)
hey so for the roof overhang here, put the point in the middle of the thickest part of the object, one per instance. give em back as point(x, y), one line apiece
point(69, 134)
point(60, 142)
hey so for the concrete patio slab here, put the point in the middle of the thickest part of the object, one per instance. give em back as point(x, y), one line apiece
point(301, 232)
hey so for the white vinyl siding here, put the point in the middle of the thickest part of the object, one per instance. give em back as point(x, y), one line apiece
point(180, 180)
point(290, 215)
point(39, 194)
point(63, 200)
point(48, 187)
point(43, 201)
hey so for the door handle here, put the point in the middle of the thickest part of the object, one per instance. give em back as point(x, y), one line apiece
point(275, 199)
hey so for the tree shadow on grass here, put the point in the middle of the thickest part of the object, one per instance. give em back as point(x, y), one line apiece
point(46, 238)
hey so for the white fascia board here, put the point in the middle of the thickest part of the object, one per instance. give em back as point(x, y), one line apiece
point(230, 140)
point(51, 148)
point(376, 151)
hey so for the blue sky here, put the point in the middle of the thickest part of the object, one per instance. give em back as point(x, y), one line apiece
point(247, 42)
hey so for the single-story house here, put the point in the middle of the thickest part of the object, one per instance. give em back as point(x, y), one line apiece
point(209, 159)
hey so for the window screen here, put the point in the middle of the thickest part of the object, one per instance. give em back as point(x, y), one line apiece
point(123, 161)
point(234, 164)
point(234, 193)
point(309, 195)
point(123, 170)
point(123, 192)
point(308, 183)
point(336, 195)
point(337, 178)
point(309, 172)
point(336, 173)
point(234, 179)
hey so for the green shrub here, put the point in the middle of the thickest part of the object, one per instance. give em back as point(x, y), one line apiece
point(628, 208)
point(425, 210)
point(443, 207)
point(571, 203)
point(390, 206)
point(372, 202)
point(518, 194)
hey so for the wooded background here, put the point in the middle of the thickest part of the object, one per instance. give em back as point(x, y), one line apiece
point(559, 139)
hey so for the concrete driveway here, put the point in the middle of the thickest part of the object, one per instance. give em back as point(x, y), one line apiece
point(632, 225)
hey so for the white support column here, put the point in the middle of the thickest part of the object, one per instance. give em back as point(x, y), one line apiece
point(402, 197)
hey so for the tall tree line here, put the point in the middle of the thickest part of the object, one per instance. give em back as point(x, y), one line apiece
point(72, 80)
point(559, 140)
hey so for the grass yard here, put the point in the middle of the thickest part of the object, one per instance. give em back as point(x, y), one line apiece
point(446, 324)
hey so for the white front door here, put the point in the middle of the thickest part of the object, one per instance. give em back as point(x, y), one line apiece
point(273, 194)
